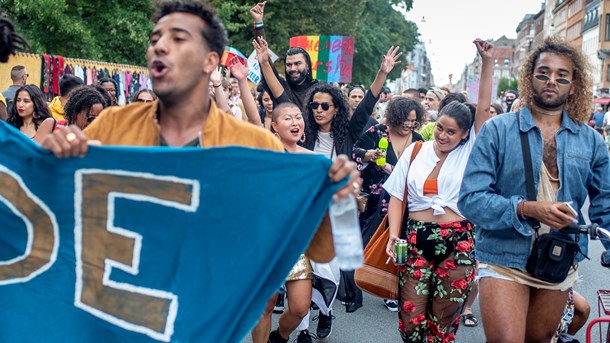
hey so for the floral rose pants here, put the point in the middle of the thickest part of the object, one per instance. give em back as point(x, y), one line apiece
point(436, 280)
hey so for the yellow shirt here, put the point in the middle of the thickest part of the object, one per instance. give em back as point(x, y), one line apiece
point(57, 109)
point(136, 124)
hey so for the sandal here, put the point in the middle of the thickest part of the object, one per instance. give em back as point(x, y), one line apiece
point(470, 317)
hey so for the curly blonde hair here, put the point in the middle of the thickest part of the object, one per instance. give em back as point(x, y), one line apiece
point(579, 103)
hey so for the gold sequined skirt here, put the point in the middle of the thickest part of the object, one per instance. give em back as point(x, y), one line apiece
point(301, 271)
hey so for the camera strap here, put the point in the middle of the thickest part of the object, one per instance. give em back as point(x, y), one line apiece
point(529, 170)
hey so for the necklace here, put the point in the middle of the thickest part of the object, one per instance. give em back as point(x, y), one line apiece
point(550, 114)
point(404, 146)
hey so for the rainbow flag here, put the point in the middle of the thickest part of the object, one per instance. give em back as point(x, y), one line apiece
point(229, 53)
point(331, 56)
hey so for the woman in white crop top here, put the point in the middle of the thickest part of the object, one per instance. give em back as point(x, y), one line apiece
point(439, 271)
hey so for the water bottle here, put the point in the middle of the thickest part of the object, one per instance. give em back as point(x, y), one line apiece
point(346, 233)
point(383, 146)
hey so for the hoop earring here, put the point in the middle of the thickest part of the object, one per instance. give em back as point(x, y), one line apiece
point(303, 138)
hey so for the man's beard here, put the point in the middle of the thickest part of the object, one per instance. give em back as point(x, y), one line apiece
point(299, 80)
point(549, 104)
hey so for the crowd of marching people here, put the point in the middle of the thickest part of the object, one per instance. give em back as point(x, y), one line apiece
point(457, 161)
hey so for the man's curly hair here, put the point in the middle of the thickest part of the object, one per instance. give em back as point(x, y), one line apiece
point(579, 103)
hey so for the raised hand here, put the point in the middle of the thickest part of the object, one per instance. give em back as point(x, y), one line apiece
point(238, 69)
point(216, 77)
point(257, 12)
point(484, 48)
point(390, 59)
point(262, 49)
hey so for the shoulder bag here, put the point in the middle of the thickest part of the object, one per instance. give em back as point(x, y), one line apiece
point(376, 276)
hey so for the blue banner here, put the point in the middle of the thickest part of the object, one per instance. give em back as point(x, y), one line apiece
point(149, 244)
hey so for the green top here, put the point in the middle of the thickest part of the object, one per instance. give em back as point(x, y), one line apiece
point(427, 131)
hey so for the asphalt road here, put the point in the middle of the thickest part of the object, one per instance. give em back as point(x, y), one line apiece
point(374, 323)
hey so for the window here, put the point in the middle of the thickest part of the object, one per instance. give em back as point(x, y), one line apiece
point(607, 35)
point(574, 7)
point(573, 31)
point(608, 73)
point(506, 62)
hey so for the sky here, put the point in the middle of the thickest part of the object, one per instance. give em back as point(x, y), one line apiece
point(451, 25)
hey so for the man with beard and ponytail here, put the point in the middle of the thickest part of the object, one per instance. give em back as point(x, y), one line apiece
point(298, 72)
point(569, 162)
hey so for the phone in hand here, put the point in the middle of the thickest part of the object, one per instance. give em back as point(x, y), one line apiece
point(571, 209)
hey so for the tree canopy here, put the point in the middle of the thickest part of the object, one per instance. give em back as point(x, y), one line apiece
point(505, 84)
point(117, 31)
point(110, 30)
point(376, 25)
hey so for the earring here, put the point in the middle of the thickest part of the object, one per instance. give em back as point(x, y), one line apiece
point(276, 135)
point(303, 138)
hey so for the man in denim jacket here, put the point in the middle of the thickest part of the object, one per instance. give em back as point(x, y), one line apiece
point(570, 162)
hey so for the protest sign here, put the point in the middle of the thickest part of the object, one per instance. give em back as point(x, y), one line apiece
point(472, 87)
point(149, 244)
point(331, 56)
point(254, 69)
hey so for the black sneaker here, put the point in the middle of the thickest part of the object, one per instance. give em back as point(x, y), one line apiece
point(391, 305)
point(560, 339)
point(324, 326)
point(274, 337)
point(304, 337)
point(279, 304)
point(605, 259)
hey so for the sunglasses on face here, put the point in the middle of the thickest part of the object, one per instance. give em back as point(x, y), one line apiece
point(544, 78)
point(411, 123)
point(315, 105)
point(143, 100)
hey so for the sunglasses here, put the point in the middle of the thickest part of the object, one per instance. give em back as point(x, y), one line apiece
point(411, 123)
point(545, 78)
point(315, 105)
point(90, 118)
point(143, 100)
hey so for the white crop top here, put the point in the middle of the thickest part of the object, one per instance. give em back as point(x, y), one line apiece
point(449, 178)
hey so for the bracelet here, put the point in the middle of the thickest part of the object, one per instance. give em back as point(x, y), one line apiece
point(216, 86)
point(520, 209)
point(259, 25)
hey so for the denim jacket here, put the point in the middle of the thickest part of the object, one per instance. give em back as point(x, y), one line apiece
point(494, 182)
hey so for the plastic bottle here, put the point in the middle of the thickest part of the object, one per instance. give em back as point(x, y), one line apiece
point(346, 233)
point(383, 146)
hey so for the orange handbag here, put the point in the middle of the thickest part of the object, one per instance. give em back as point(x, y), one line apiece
point(375, 276)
